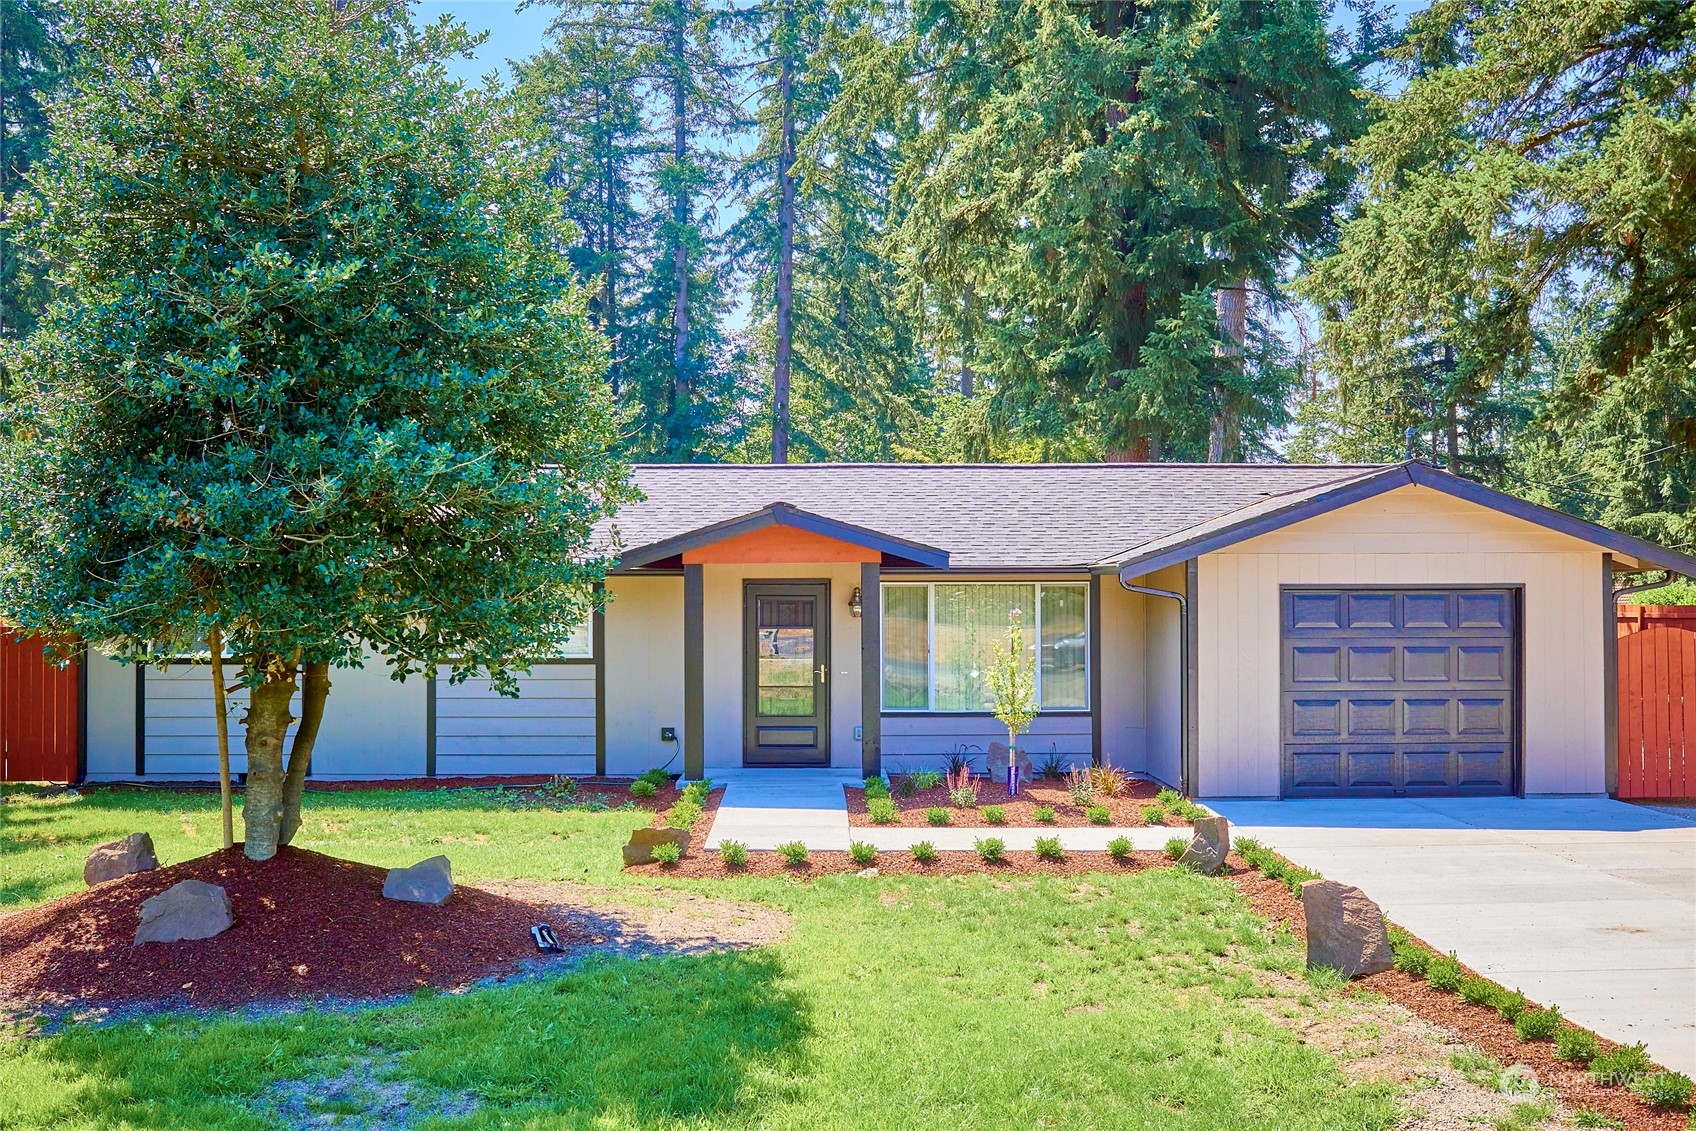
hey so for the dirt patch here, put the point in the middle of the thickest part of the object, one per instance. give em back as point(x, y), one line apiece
point(657, 921)
point(358, 1098)
point(1476, 1025)
point(307, 926)
point(1126, 808)
point(708, 866)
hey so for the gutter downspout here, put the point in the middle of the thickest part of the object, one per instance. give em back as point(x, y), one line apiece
point(1628, 590)
point(1183, 675)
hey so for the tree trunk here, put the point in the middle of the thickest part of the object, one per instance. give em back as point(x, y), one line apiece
point(267, 723)
point(1224, 434)
point(680, 215)
point(314, 690)
point(220, 708)
point(785, 245)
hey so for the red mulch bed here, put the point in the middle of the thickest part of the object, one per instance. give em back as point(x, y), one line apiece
point(307, 926)
point(709, 811)
point(910, 811)
point(708, 866)
point(1477, 1025)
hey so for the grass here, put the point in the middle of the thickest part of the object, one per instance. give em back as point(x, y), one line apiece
point(1132, 993)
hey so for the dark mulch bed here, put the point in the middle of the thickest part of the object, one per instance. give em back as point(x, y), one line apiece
point(1477, 1025)
point(910, 811)
point(307, 926)
point(708, 866)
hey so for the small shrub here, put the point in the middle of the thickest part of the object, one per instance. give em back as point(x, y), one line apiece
point(861, 853)
point(1119, 848)
point(657, 776)
point(1049, 848)
point(1108, 781)
point(1671, 1090)
point(937, 815)
point(1444, 973)
point(904, 785)
point(683, 815)
point(876, 787)
point(991, 849)
point(1044, 814)
point(1537, 1024)
point(1411, 959)
point(926, 779)
point(963, 798)
point(1153, 815)
point(959, 762)
point(1477, 991)
point(1620, 1066)
point(1296, 877)
point(696, 792)
point(1247, 844)
point(1573, 1043)
point(1510, 1005)
point(881, 810)
point(1079, 787)
point(1099, 815)
point(924, 852)
point(1175, 847)
point(994, 815)
point(642, 787)
point(1168, 797)
point(1052, 768)
point(734, 853)
point(962, 788)
point(668, 853)
point(794, 852)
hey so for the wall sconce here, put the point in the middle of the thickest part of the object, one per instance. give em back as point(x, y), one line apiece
point(855, 607)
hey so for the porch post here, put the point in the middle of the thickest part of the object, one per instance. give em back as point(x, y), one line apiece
point(694, 674)
point(871, 666)
point(1610, 681)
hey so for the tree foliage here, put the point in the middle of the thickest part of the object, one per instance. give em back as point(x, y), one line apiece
point(315, 350)
point(34, 60)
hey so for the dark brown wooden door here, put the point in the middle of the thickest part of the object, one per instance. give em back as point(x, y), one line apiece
point(1391, 692)
point(786, 687)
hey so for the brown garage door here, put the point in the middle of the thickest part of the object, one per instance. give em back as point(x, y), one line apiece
point(1391, 692)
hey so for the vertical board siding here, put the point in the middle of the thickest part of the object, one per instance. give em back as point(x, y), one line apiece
point(39, 708)
point(1657, 700)
point(549, 728)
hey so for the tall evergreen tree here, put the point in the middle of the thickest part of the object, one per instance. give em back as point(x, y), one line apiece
point(34, 61)
point(1092, 175)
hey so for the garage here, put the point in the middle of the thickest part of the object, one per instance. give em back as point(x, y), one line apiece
point(1403, 691)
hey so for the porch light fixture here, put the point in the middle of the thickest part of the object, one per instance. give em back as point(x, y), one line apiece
point(855, 607)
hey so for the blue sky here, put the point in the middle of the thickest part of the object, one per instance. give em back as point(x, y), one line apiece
point(512, 34)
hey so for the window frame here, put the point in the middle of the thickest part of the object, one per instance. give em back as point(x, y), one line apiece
point(930, 707)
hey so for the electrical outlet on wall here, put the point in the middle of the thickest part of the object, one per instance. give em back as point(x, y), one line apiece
point(668, 734)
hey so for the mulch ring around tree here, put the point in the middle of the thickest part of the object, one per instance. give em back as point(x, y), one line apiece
point(1126, 808)
point(1477, 1025)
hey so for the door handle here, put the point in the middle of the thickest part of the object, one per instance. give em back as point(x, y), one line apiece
point(821, 673)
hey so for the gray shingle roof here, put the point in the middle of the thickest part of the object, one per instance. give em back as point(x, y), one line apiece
point(987, 516)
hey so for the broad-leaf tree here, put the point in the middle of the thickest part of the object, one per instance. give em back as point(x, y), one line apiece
point(317, 377)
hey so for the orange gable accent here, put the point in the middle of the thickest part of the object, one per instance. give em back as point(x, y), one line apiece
point(771, 545)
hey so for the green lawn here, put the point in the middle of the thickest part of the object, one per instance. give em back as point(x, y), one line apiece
point(1112, 1001)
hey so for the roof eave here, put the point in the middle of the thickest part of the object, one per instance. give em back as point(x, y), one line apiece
point(784, 514)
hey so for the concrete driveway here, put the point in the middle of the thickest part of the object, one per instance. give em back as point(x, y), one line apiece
point(1584, 903)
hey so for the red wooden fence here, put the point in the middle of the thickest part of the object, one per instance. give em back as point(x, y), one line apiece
point(1657, 700)
point(39, 708)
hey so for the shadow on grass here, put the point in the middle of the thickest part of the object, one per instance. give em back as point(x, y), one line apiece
point(617, 1042)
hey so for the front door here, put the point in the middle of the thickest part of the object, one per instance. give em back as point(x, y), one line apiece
point(785, 692)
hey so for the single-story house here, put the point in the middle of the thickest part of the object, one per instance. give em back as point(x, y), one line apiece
point(1235, 630)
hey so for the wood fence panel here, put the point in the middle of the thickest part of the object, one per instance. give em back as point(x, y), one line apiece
point(40, 714)
point(1657, 700)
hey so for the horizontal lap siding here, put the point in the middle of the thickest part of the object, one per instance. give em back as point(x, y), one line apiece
point(181, 728)
point(548, 729)
point(912, 742)
point(1412, 536)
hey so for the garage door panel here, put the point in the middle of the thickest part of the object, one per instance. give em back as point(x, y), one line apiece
point(1391, 692)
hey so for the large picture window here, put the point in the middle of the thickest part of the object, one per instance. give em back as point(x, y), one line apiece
point(939, 640)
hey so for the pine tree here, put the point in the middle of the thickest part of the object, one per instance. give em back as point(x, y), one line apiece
point(1093, 176)
point(34, 62)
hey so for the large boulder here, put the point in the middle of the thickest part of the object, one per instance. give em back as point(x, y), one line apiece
point(997, 765)
point(428, 881)
point(120, 858)
point(640, 850)
point(1345, 929)
point(1212, 840)
point(192, 909)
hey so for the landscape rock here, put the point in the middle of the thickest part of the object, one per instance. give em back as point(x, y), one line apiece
point(997, 766)
point(1203, 855)
point(1345, 929)
point(428, 881)
point(640, 850)
point(867, 873)
point(120, 858)
point(193, 909)
point(1216, 831)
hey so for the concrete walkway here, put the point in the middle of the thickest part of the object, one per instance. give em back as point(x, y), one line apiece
point(766, 808)
point(1584, 903)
